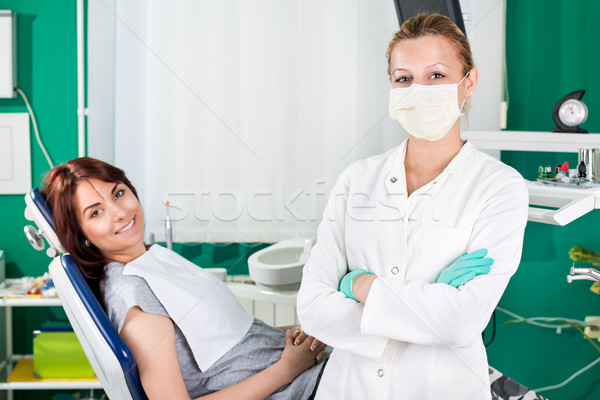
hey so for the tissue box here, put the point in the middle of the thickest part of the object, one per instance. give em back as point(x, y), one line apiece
point(58, 354)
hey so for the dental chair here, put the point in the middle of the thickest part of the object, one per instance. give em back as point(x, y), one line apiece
point(108, 355)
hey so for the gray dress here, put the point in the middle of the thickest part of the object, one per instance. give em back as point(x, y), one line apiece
point(259, 348)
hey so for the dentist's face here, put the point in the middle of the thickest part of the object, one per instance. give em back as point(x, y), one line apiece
point(111, 218)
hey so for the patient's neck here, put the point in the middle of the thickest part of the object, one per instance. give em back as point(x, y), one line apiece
point(128, 254)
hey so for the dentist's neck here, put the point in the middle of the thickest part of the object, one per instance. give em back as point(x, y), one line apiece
point(433, 157)
point(424, 160)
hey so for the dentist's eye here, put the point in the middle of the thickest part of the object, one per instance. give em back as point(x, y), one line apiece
point(437, 75)
point(402, 79)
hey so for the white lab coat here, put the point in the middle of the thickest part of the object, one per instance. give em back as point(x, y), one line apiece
point(414, 339)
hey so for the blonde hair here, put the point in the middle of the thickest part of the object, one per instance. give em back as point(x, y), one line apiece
point(426, 24)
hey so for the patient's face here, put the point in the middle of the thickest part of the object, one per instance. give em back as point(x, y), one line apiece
point(111, 218)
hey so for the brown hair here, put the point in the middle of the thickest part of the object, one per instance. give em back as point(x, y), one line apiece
point(59, 186)
point(426, 24)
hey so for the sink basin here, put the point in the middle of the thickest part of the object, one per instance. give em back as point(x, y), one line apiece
point(279, 267)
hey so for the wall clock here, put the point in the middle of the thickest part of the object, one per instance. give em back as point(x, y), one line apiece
point(570, 112)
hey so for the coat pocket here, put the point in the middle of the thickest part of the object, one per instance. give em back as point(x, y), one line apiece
point(460, 384)
point(439, 248)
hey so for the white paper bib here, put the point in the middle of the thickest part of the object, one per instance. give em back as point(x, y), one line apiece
point(203, 307)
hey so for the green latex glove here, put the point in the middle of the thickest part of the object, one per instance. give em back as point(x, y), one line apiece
point(346, 282)
point(465, 268)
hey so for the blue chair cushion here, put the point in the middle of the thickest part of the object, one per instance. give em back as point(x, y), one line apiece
point(105, 327)
point(40, 202)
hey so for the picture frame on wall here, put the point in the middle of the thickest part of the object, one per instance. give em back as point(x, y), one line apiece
point(15, 153)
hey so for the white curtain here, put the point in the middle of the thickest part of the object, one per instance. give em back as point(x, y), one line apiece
point(242, 113)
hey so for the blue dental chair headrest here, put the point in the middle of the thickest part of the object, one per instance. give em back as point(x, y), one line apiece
point(40, 201)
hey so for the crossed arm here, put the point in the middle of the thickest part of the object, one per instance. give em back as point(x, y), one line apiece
point(151, 339)
point(410, 311)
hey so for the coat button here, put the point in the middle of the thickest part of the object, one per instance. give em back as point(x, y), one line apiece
point(393, 179)
point(380, 373)
point(395, 270)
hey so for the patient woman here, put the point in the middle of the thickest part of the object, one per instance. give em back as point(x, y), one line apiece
point(189, 335)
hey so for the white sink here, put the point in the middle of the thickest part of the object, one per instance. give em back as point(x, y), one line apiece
point(279, 267)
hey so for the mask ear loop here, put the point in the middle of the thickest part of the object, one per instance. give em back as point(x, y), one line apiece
point(461, 107)
point(465, 100)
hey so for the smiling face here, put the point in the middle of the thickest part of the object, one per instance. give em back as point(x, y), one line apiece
point(111, 218)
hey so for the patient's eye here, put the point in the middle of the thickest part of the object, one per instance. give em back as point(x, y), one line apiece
point(95, 213)
point(119, 193)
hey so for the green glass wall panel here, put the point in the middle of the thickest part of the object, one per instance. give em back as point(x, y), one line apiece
point(552, 50)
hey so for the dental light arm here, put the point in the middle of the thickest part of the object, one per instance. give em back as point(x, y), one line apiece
point(38, 211)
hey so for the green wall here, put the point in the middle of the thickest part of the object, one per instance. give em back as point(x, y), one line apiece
point(552, 50)
point(46, 72)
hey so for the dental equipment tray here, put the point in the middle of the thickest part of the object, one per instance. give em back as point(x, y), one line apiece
point(558, 204)
point(572, 184)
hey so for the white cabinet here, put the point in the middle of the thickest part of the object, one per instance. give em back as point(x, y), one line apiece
point(8, 364)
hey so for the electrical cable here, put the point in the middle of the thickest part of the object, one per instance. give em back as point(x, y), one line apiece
point(570, 323)
point(575, 375)
point(567, 322)
point(35, 128)
point(506, 93)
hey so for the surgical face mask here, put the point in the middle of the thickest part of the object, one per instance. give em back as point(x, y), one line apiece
point(426, 111)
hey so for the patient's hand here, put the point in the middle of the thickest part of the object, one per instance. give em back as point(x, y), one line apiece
point(300, 336)
point(302, 356)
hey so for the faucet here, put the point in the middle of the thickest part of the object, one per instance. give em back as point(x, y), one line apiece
point(590, 274)
point(168, 228)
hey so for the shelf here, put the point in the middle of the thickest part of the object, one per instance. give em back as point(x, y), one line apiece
point(22, 378)
point(561, 205)
point(30, 302)
point(532, 141)
point(547, 204)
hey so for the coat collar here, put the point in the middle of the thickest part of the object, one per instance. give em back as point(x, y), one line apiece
point(396, 156)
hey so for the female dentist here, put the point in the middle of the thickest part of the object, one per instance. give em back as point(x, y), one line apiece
point(398, 282)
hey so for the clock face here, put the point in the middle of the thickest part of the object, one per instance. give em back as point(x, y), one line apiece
point(572, 112)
